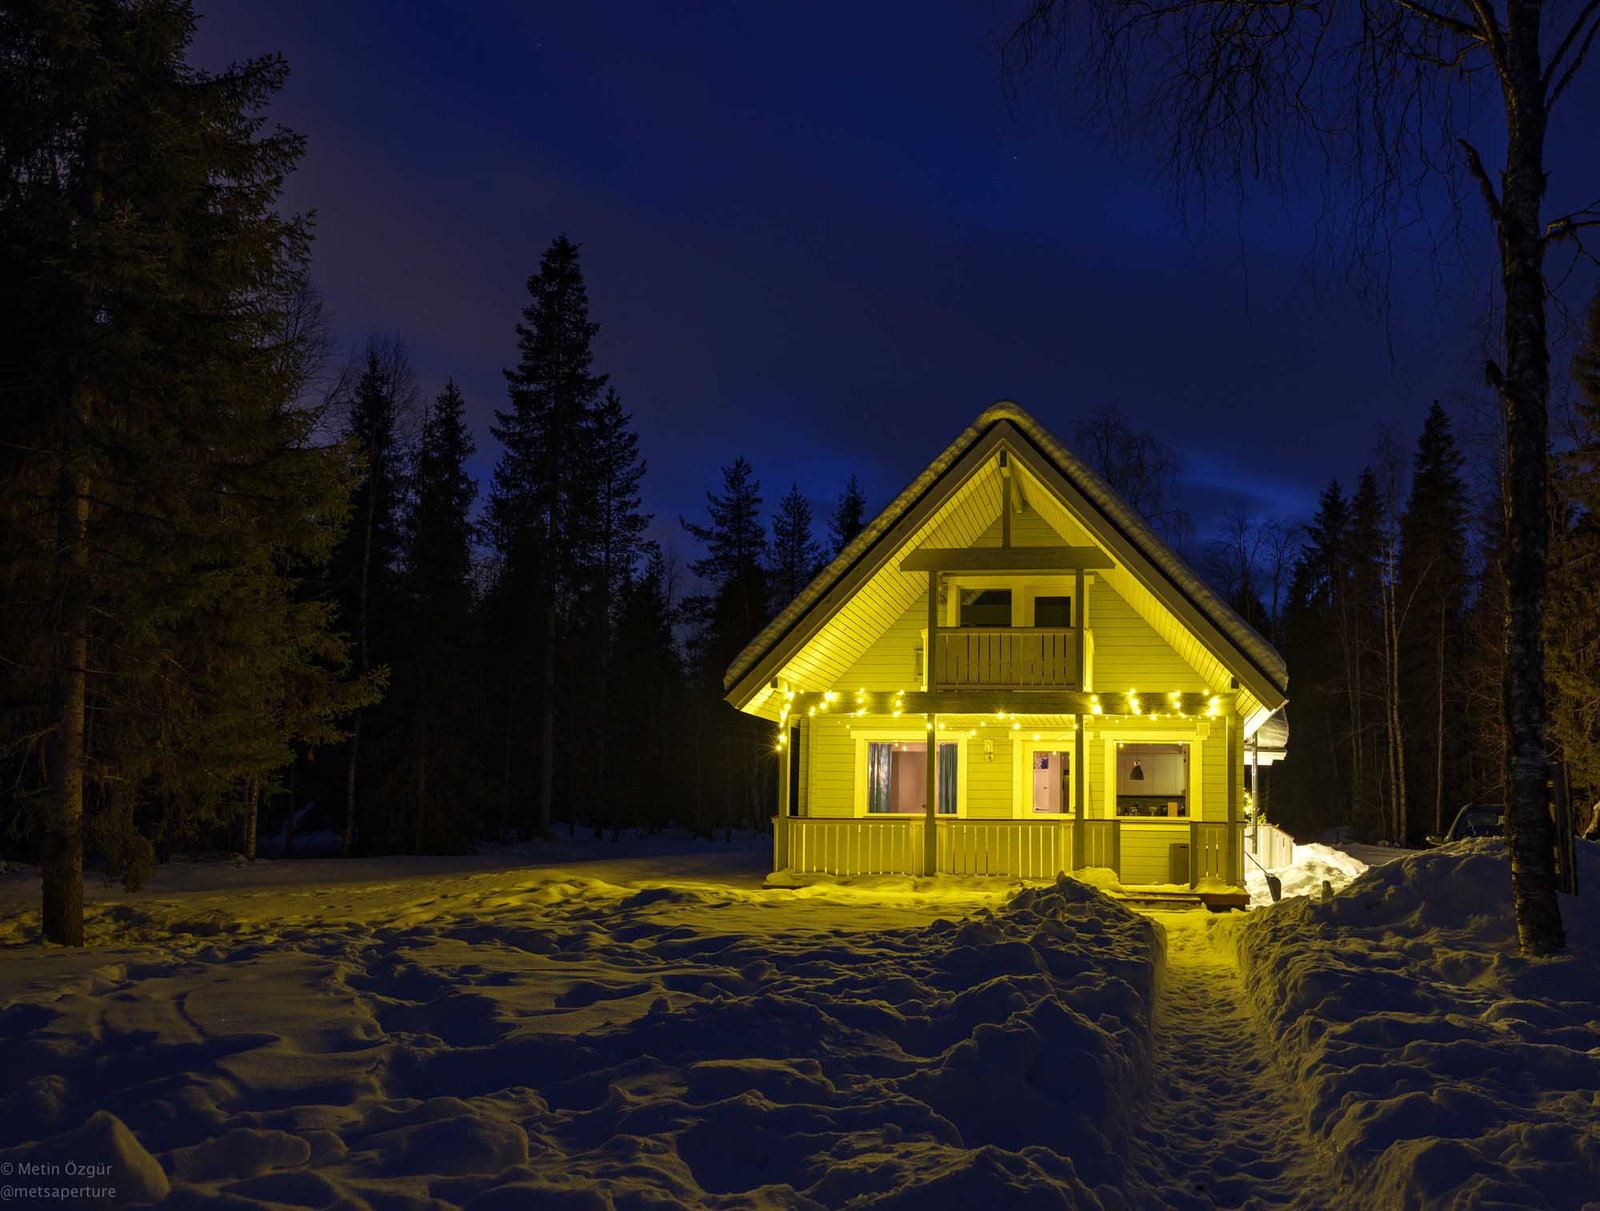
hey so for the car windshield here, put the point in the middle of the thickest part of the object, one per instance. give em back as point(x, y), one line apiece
point(1480, 822)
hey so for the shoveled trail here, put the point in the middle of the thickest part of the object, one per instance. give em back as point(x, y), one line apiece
point(1218, 1127)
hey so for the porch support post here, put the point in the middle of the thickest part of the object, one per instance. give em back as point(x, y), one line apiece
point(930, 830)
point(1234, 727)
point(930, 837)
point(1080, 787)
point(785, 758)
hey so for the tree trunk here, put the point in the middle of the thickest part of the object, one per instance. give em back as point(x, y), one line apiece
point(1391, 695)
point(547, 720)
point(1524, 391)
point(1438, 728)
point(347, 842)
point(63, 839)
point(252, 802)
point(288, 826)
point(419, 783)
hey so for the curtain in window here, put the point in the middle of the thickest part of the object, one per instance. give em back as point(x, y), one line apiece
point(878, 769)
point(947, 779)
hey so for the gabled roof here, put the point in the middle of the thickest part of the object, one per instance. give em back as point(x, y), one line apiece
point(1108, 519)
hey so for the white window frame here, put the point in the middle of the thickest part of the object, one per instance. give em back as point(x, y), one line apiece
point(1022, 750)
point(1116, 735)
point(866, 736)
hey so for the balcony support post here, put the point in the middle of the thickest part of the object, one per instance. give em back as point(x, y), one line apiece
point(1080, 620)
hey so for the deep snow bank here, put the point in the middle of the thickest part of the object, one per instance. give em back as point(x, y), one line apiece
point(533, 1038)
point(1443, 1069)
point(1312, 865)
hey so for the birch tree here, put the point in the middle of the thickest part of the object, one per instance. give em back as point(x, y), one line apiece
point(1383, 98)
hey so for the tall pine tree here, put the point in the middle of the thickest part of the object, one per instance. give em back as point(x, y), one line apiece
point(795, 555)
point(614, 527)
point(539, 501)
point(1434, 587)
point(434, 695)
point(849, 516)
point(727, 614)
point(366, 566)
point(156, 480)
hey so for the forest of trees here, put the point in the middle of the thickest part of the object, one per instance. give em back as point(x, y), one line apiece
point(250, 596)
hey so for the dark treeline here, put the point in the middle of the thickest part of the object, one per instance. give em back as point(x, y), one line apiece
point(243, 603)
point(1389, 608)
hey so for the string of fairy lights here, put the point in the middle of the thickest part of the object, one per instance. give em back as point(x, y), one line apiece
point(892, 703)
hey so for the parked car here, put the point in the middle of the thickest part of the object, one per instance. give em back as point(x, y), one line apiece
point(1474, 820)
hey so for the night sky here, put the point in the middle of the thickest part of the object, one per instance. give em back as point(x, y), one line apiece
point(826, 237)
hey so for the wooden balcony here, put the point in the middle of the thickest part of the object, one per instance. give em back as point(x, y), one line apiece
point(996, 658)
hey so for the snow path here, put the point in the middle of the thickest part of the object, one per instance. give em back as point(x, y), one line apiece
point(1217, 1128)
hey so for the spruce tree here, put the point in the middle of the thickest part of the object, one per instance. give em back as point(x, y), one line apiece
point(1361, 622)
point(538, 503)
point(849, 516)
point(1433, 587)
point(794, 551)
point(434, 693)
point(649, 721)
point(614, 528)
point(724, 617)
point(157, 478)
point(1317, 769)
point(366, 565)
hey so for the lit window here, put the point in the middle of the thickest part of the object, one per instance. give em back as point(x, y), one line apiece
point(897, 777)
point(1153, 780)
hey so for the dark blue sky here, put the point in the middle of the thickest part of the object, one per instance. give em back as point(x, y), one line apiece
point(823, 238)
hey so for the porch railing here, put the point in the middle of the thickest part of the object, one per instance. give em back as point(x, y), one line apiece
point(975, 658)
point(1269, 845)
point(1137, 851)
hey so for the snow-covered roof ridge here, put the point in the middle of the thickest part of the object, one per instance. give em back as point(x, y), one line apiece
point(1117, 512)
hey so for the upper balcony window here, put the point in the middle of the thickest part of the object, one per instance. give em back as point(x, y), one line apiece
point(1052, 611)
point(985, 607)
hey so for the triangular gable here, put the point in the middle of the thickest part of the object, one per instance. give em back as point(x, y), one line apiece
point(950, 504)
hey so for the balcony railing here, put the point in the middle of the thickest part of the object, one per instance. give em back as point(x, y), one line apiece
point(981, 658)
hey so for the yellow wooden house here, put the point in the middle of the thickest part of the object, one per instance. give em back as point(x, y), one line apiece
point(1007, 672)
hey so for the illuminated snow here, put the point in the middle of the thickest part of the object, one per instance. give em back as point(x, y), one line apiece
point(648, 1025)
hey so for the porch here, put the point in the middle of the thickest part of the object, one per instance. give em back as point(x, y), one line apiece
point(1137, 851)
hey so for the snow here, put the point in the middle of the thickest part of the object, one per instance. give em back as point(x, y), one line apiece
point(615, 1026)
point(646, 1024)
point(1304, 876)
point(1438, 1067)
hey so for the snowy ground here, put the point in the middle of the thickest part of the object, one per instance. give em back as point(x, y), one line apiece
point(626, 1031)
point(1437, 1067)
point(646, 1025)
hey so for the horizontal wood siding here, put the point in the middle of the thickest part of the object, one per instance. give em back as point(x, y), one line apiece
point(893, 660)
point(1214, 774)
point(1129, 654)
point(833, 773)
point(989, 782)
point(1147, 849)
